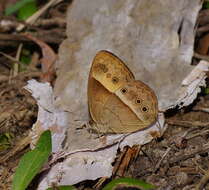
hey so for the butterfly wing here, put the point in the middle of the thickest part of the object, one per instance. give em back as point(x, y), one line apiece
point(141, 99)
point(109, 113)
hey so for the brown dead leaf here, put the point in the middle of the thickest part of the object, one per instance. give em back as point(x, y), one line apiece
point(47, 61)
point(203, 45)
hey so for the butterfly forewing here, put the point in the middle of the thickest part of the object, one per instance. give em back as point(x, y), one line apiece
point(110, 71)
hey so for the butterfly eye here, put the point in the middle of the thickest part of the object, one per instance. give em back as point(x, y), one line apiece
point(123, 90)
point(144, 109)
point(115, 80)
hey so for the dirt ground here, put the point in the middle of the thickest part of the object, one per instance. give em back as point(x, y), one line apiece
point(177, 160)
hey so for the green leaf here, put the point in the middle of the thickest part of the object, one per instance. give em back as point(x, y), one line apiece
point(5, 141)
point(15, 7)
point(206, 91)
point(27, 10)
point(205, 5)
point(128, 182)
point(67, 187)
point(25, 59)
point(31, 163)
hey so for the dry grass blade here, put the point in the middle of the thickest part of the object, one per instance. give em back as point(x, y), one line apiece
point(10, 58)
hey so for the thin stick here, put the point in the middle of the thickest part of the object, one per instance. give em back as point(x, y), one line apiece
point(203, 181)
point(199, 56)
point(204, 149)
point(16, 65)
point(206, 110)
point(160, 161)
point(190, 124)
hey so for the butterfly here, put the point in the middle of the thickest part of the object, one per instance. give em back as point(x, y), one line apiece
point(117, 102)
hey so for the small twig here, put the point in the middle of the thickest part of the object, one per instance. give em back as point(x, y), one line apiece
point(61, 22)
point(199, 56)
point(28, 74)
point(203, 181)
point(16, 65)
point(187, 123)
point(204, 149)
point(10, 57)
point(201, 109)
point(202, 29)
point(200, 169)
point(99, 183)
point(6, 24)
point(48, 36)
point(198, 134)
point(160, 161)
point(119, 160)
